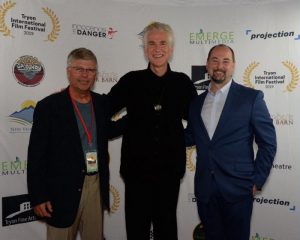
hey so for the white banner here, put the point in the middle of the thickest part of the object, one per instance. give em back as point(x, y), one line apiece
point(36, 37)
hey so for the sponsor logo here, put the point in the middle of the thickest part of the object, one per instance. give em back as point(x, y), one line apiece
point(258, 237)
point(200, 77)
point(22, 119)
point(198, 233)
point(106, 77)
point(16, 210)
point(29, 24)
point(282, 166)
point(271, 35)
point(192, 198)
point(93, 31)
point(191, 158)
point(141, 35)
point(283, 119)
point(28, 71)
point(287, 78)
point(210, 38)
point(116, 199)
point(274, 201)
point(17, 167)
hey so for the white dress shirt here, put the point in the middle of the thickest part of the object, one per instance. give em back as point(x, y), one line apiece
point(213, 107)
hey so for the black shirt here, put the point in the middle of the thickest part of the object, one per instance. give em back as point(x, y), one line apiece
point(153, 142)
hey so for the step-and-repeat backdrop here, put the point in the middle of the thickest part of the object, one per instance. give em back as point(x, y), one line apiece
point(36, 36)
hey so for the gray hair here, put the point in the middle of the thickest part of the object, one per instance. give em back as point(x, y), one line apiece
point(158, 26)
point(81, 53)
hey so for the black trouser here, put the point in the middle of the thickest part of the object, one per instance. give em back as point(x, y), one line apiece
point(149, 202)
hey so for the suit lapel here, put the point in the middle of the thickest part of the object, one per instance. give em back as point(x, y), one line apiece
point(198, 115)
point(227, 110)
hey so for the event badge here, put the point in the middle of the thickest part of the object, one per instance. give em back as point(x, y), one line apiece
point(91, 161)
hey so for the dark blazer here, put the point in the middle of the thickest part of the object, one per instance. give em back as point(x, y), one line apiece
point(229, 155)
point(56, 163)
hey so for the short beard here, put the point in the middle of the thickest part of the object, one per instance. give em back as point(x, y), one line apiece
point(218, 81)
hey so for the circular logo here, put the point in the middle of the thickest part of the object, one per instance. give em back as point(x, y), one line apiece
point(28, 71)
point(198, 233)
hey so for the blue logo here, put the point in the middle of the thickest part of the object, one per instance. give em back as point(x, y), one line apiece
point(22, 120)
point(271, 35)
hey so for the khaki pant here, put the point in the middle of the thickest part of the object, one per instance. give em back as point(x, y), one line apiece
point(89, 219)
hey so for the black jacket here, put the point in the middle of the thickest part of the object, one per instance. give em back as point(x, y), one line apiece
point(153, 142)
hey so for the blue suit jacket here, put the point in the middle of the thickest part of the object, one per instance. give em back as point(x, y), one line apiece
point(229, 155)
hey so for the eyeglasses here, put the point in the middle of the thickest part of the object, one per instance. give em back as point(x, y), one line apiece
point(81, 70)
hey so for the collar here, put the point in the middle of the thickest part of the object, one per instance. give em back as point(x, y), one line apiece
point(223, 90)
point(167, 72)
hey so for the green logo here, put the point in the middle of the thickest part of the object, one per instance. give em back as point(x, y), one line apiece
point(11, 168)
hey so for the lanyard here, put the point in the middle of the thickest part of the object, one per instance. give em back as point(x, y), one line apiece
point(87, 131)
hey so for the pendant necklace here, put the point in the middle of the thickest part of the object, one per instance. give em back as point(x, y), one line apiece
point(158, 106)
